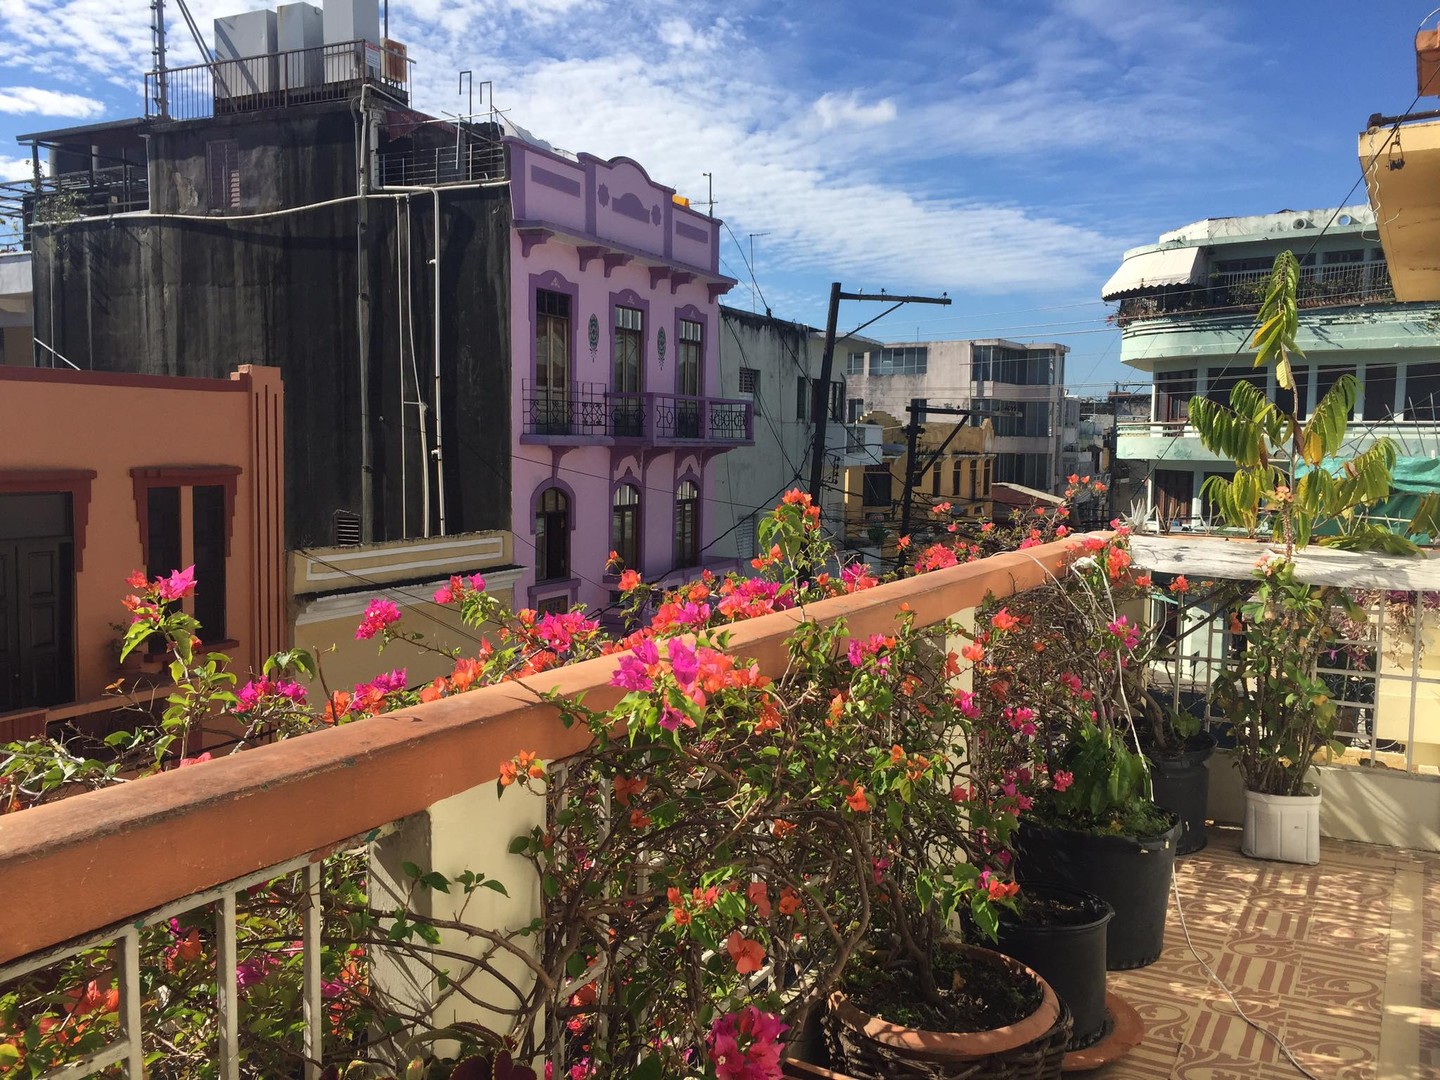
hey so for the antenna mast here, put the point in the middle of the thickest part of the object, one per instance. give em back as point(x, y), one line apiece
point(157, 50)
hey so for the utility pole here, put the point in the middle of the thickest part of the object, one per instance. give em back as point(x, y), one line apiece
point(827, 361)
point(753, 283)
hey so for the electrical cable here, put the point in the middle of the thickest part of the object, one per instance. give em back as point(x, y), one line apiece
point(1276, 1039)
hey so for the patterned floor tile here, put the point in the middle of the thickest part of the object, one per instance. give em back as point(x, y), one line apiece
point(1304, 950)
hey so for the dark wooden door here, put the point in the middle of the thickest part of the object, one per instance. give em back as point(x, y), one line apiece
point(37, 584)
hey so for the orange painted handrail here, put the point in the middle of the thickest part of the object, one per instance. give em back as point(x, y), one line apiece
point(82, 864)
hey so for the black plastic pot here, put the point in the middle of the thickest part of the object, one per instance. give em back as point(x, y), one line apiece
point(1131, 874)
point(1182, 784)
point(1069, 954)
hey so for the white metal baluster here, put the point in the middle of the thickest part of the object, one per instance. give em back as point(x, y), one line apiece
point(130, 1003)
point(1417, 630)
point(226, 991)
point(314, 1003)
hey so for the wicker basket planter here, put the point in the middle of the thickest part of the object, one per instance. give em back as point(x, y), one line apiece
point(863, 1047)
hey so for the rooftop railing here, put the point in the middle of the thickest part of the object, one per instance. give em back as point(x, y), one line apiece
point(275, 81)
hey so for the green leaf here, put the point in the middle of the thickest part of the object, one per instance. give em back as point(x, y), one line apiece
point(436, 881)
point(519, 845)
point(411, 870)
point(494, 886)
point(649, 1069)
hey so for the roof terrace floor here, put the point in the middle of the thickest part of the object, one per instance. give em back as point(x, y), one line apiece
point(1340, 960)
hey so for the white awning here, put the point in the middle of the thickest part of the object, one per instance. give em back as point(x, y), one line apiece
point(1153, 269)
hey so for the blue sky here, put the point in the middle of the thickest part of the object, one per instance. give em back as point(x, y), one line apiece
point(1004, 152)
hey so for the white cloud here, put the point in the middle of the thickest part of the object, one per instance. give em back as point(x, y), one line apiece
point(35, 100)
point(836, 110)
point(16, 168)
point(680, 35)
point(911, 183)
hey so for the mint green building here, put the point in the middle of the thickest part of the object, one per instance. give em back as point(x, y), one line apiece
point(1186, 312)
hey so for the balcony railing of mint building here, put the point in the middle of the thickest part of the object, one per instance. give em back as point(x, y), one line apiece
point(589, 413)
point(1242, 291)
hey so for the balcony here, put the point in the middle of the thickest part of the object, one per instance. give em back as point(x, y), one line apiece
point(1241, 293)
point(1332, 956)
point(1177, 441)
point(589, 414)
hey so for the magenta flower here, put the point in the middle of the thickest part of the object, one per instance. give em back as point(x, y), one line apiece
point(683, 662)
point(672, 719)
point(379, 616)
point(179, 584)
point(256, 690)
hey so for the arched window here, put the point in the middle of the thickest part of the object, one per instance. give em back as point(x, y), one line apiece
point(552, 536)
point(687, 524)
point(625, 525)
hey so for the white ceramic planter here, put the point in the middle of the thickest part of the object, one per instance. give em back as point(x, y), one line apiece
point(1282, 827)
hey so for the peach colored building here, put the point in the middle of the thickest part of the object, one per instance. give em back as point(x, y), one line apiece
point(102, 474)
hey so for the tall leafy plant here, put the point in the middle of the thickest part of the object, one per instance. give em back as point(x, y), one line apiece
point(1291, 481)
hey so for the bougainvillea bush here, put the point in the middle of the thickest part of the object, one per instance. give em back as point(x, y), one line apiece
point(708, 865)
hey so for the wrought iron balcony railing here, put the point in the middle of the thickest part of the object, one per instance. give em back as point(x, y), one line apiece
point(590, 411)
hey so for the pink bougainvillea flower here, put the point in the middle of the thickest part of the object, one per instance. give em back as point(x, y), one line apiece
point(180, 584)
point(379, 616)
point(1062, 779)
point(683, 662)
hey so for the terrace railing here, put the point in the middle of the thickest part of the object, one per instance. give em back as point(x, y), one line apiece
point(1381, 671)
point(94, 870)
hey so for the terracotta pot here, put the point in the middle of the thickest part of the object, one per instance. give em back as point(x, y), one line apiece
point(895, 1040)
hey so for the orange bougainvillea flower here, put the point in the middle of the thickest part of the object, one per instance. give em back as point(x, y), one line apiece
point(759, 895)
point(857, 799)
point(974, 652)
point(435, 691)
point(465, 673)
point(903, 543)
point(629, 581)
point(789, 901)
point(508, 773)
point(782, 828)
point(639, 819)
point(897, 754)
point(769, 717)
point(1003, 620)
point(626, 786)
point(748, 955)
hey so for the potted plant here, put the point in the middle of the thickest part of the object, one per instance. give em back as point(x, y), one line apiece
point(1172, 733)
point(1281, 712)
point(1062, 681)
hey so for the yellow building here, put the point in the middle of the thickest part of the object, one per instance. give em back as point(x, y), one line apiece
point(961, 475)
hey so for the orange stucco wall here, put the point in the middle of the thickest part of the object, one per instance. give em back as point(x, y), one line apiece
point(109, 423)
